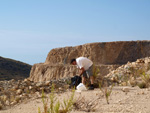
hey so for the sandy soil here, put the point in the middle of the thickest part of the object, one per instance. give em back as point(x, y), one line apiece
point(135, 101)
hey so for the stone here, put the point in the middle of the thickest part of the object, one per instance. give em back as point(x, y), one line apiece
point(30, 87)
point(26, 90)
point(133, 64)
point(124, 83)
point(140, 61)
point(126, 67)
point(147, 60)
point(12, 80)
point(39, 84)
point(7, 102)
point(27, 81)
point(13, 103)
point(19, 91)
point(47, 83)
point(33, 90)
point(132, 83)
point(38, 94)
point(125, 89)
point(4, 97)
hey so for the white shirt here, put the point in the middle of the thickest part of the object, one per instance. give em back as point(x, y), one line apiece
point(83, 62)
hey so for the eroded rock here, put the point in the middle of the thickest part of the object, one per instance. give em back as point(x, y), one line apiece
point(107, 56)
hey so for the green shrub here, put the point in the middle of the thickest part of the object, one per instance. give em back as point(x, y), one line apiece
point(146, 78)
point(142, 85)
point(106, 91)
point(95, 71)
point(67, 105)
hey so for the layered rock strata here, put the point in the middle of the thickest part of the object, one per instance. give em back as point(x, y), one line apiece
point(106, 55)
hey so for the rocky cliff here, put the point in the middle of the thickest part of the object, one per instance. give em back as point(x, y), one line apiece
point(106, 55)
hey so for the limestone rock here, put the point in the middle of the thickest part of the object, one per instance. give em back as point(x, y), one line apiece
point(101, 53)
point(107, 56)
point(25, 89)
point(39, 84)
point(125, 89)
point(19, 91)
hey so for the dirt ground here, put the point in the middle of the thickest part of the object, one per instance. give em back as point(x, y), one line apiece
point(135, 101)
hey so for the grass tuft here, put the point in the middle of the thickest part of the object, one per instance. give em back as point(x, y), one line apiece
point(106, 91)
point(55, 105)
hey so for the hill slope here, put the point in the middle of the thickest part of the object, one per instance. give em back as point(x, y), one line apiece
point(12, 69)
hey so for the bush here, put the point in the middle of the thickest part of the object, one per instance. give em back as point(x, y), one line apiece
point(146, 80)
point(67, 105)
point(106, 91)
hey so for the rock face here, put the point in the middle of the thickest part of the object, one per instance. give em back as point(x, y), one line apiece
point(106, 55)
point(101, 53)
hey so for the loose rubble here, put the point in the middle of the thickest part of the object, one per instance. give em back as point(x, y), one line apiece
point(13, 92)
point(131, 73)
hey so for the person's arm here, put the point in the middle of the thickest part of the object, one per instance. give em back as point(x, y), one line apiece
point(81, 71)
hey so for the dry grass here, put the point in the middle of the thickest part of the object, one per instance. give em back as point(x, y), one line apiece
point(81, 104)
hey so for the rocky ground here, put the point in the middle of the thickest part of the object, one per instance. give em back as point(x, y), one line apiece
point(135, 100)
point(132, 73)
point(130, 94)
point(14, 92)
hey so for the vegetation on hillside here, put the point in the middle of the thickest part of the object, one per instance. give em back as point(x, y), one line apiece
point(12, 69)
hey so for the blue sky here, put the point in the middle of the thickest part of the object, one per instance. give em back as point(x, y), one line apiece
point(29, 29)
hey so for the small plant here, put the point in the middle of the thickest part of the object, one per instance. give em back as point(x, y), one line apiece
point(95, 71)
point(96, 76)
point(55, 107)
point(18, 99)
point(68, 104)
point(68, 82)
point(106, 92)
point(146, 78)
point(136, 71)
point(39, 111)
point(117, 78)
point(142, 85)
point(45, 101)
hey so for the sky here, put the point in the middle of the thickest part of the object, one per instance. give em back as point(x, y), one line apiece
point(29, 29)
